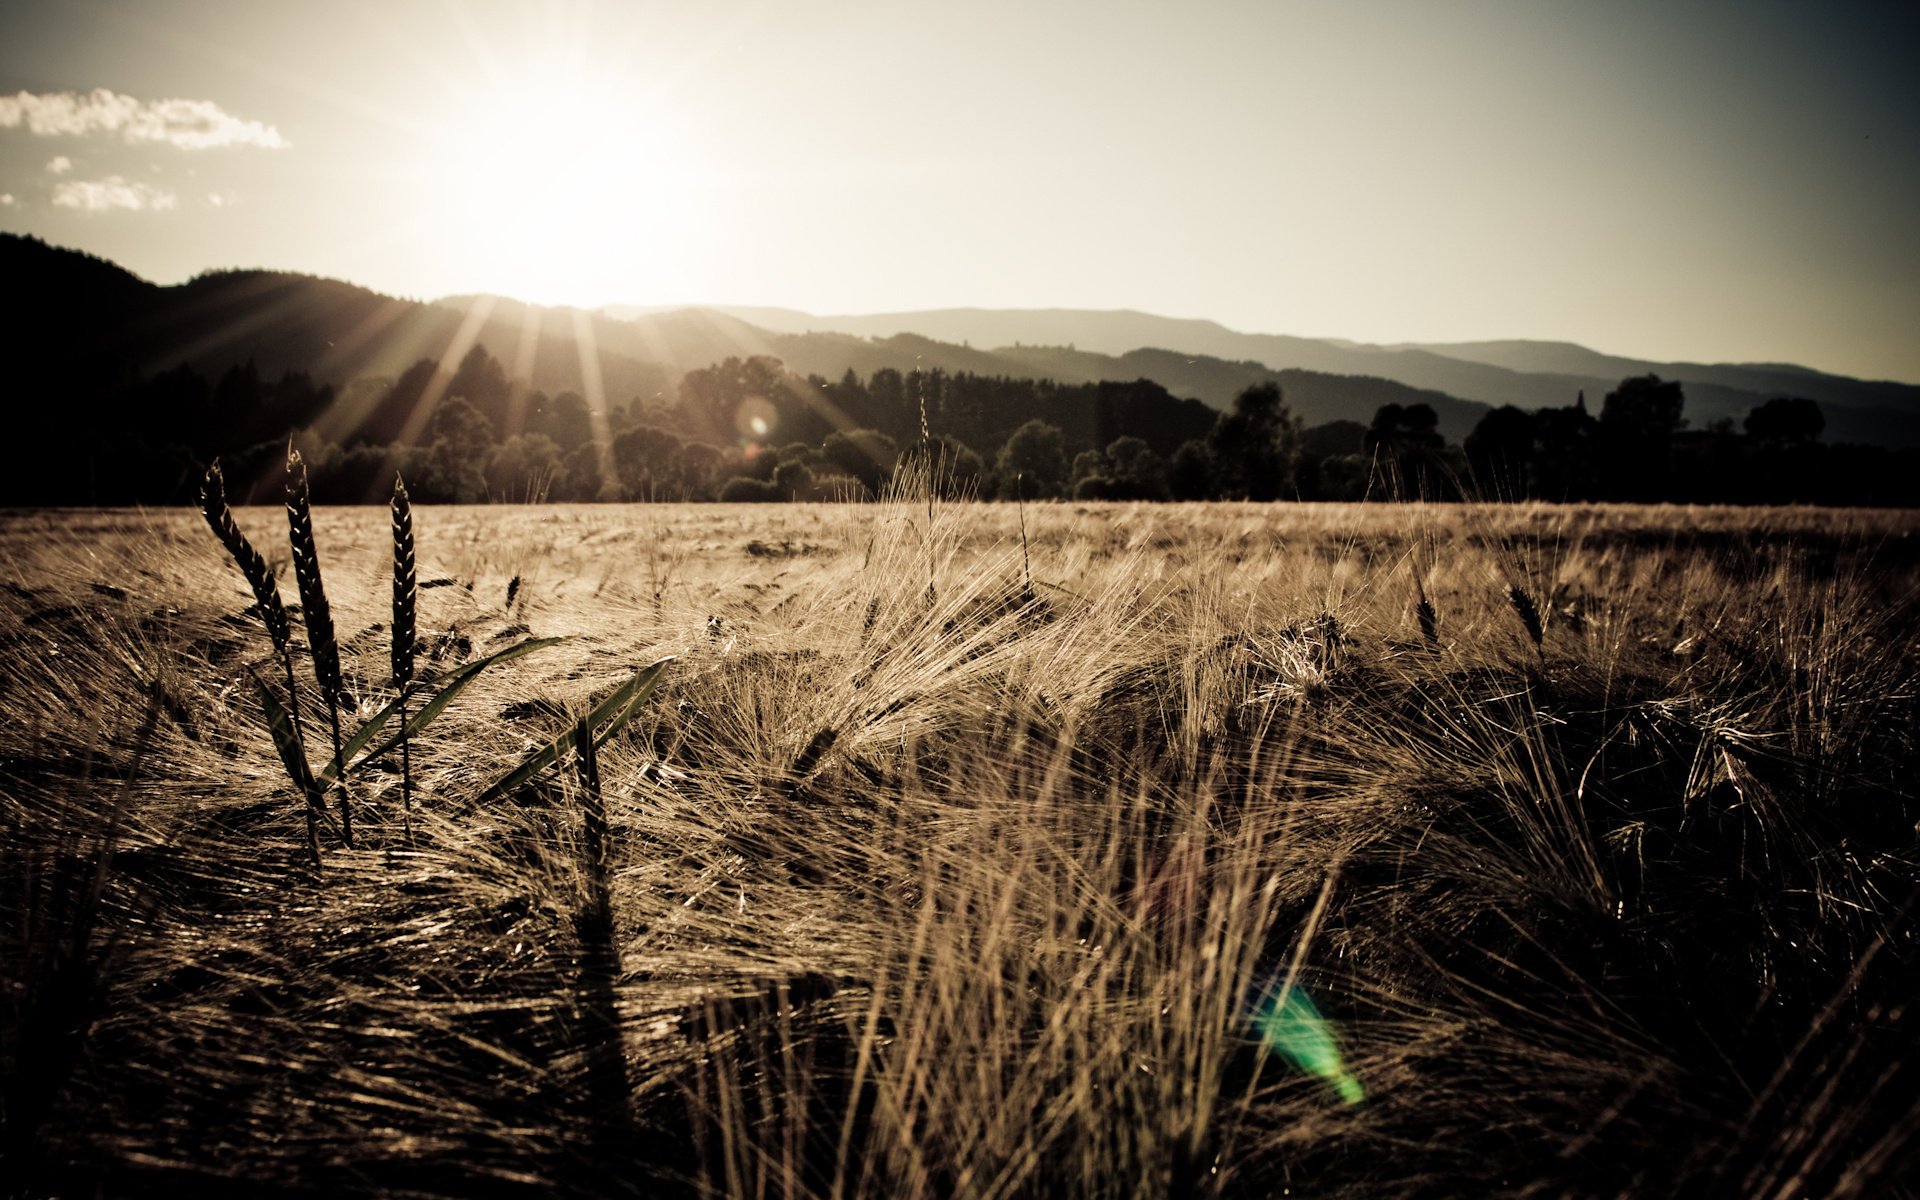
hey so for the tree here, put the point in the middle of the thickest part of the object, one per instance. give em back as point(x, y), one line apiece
point(1404, 443)
point(482, 382)
point(793, 478)
point(1037, 452)
point(565, 418)
point(865, 454)
point(1500, 453)
point(1255, 445)
point(700, 467)
point(1786, 421)
point(523, 468)
point(1088, 464)
point(581, 479)
point(1564, 465)
point(741, 490)
point(457, 458)
point(1137, 472)
point(957, 470)
point(1190, 474)
point(1637, 424)
point(646, 459)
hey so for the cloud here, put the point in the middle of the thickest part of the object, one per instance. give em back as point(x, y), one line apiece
point(6, 199)
point(60, 165)
point(113, 192)
point(185, 124)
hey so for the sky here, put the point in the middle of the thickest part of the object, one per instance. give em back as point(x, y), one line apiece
point(1673, 180)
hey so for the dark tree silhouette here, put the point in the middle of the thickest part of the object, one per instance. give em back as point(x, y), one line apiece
point(958, 471)
point(1564, 441)
point(1637, 424)
point(1190, 473)
point(1500, 454)
point(1404, 444)
point(1137, 472)
point(1038, 454)
point(1786, 420)
point(1254, 446)
point(864, 454)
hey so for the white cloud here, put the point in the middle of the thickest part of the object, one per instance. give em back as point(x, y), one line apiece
point(185, 124)
point(113, 192)
point(60, 165)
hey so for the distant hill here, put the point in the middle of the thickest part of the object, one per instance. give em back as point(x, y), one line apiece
point(89, 325)
point(1523, 373)
point(122, 327)
point(86, 320)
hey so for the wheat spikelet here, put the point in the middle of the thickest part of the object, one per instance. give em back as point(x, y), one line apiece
point(213, 505)
point(1424, 612)
point(405, 634)
point(1528, 612)
point(405, 586)
point(317, 614)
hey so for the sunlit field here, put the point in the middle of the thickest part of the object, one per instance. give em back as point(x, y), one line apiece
point(965, 850)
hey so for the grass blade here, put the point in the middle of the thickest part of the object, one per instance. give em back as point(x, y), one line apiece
point(607, 718)
point(450, 687)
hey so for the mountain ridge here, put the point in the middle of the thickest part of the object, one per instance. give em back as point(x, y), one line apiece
point(110, 322)
point(1526, 373)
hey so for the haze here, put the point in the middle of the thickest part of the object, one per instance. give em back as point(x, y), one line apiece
point(1704, 182)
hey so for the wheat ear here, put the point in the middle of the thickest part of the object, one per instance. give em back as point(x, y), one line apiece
point(1528, 611)
point(213, 505)
point(266, 589)
point(405, 633)
point(317, 614)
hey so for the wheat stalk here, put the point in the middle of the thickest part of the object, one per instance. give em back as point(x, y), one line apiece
point(405, 632)
point(316, 613)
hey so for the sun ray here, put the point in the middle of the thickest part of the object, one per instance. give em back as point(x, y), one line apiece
point(520, 380)
point(596, 393)
point(463, 340)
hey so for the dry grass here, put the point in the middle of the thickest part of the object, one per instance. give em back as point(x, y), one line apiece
point(977, 890)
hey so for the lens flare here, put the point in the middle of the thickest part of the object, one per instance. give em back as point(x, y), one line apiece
point(1291, 1025)
point(756, 418)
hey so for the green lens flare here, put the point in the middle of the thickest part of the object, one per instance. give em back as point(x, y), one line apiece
point(1290, 1024)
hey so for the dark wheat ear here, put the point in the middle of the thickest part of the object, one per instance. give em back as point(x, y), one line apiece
point(213, 505)
point(405, 586)
point(1423, 610)
point(306, 572)
point(405, 634)
point(1528, 611)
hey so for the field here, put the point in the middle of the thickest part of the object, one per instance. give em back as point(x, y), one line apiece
point(960, 850)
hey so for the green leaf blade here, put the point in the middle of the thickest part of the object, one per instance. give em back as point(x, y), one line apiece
point(607, 717)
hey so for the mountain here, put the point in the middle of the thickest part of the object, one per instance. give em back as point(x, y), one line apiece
point(1527, 374)
point(91, 326)
point(93, 321)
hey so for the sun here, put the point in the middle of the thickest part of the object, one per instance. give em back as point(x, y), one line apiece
point(561, 189)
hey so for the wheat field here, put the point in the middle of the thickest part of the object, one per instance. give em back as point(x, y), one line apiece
point(970, 850)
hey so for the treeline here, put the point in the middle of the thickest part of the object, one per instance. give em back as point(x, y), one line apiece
point(747, 429)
